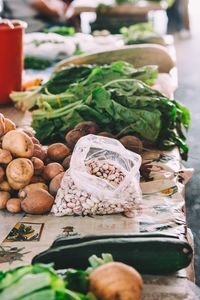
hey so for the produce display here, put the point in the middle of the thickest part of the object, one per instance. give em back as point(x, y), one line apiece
point(141, 33)
point(30, 174)
point(114, 97)
point(103, 178)
point(31, 171)
point(81, 157)
point(99, 281)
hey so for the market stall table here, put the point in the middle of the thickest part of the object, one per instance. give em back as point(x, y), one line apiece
point(141, 8)
point(161, 211)
point(111, 16)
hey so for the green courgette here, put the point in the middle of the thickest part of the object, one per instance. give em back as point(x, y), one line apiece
point(71, 240)
point(153, 255)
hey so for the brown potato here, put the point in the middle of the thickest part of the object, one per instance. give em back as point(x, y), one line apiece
point(37, 202)
point(51, 170)
point(4, 196)
point(2, 125)
point(55, 183)
point(73, 136)
point(116, 280)
point(2, 174)
point(5, 156)
point(9, 125)
point(37, 178)
point(39, 152)
point(58, 151)
point(33, 186)
point(13, 205)
point(132, 143)
point(66, 162)
point(88, 127)
point(38, 165)
point(35, 141)
point(106, 134)
point(4, 186)
point(19, 172)
point(30, 133)
point(18, 143)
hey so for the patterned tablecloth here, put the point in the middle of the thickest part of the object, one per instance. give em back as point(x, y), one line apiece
point(163, 178)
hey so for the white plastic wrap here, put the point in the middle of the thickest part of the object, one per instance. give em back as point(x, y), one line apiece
point(50, 46)
point(103, 179)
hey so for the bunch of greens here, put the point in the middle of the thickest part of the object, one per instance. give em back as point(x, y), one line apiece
point(122, 106)
point(62, 30)
point(140, 33)
point(42, 282)
point(36, 63)
point(112, 97)
point(61, 90)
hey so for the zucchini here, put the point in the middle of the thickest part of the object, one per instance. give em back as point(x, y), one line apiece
point(138, 55)
point(71, 240)
point(149, 255)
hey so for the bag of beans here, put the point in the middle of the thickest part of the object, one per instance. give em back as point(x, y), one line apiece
point(103, 178)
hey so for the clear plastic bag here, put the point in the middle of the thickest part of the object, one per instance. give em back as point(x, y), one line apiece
point(103, 179)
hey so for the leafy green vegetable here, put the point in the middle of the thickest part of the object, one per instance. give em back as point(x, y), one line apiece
point(42, 282)
point(114, 98)
point(122, 106)
point(141, 33)
point(77, 280)
point(62, 30)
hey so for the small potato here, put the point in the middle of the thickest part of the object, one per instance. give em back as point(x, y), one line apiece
point(51, 170)
point(4, 186)
point(37, 202)
point(106, 134)
point(66, 162)
point(4, 196)
point(29, 133)
point(55, 183)
point(73, 136)
point(39, 152)
point(2, 125)
point(18, 143)
point(37, 179)
point(58, 151)
point(88, 127)
point(132, 143)
point(14, 205)
point(33, 186)
point(38, 165)
point(19, 172)
point(9, 125)
point(35, 141)
point(5, 156)
point(2, 174)
point(115, 280)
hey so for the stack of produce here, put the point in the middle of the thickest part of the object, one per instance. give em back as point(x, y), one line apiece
point(28, 171)
point(99, 281)
point(141, 33)
point(114, 97)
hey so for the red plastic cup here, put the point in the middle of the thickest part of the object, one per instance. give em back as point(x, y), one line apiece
point(11, 57)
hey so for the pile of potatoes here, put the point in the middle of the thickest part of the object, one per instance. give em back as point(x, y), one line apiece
point(30, 174)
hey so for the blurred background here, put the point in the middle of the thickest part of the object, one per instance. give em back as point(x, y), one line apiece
point(181, 20)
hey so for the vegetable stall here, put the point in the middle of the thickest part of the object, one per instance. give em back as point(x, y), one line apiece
point(90, 172)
